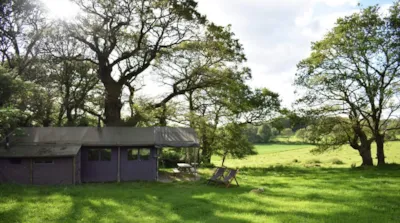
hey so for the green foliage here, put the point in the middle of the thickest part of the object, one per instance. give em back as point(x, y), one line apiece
point(280, 123)
point(252, 134)
point(353, 71)
point(274, 132)
point(10, 119)
point(22, 28)
point(301, 134)
point(259, 134)
point(231, 141)
point(21, 103)
point(287, 132)
point(7, 86)
point(265, 133)
point(296, 121)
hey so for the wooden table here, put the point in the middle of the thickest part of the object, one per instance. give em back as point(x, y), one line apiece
point(184, 167)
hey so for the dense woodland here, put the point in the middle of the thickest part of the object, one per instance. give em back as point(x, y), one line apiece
point(90, 71)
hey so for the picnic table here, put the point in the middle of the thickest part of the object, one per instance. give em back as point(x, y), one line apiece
point(185, 167)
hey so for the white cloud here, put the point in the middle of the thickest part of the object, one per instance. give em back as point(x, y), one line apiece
point(62, 9)
point(334, 3)
point(277, 34)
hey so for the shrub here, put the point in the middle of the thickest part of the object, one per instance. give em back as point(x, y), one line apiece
point(169, 158)
point(171, 155)
point(287, 132)
point(301, 134)
point(264, 133)
point(313, 161)
point(295, 161)
point(337, 161)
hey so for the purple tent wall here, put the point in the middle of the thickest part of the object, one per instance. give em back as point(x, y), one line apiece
point(78, 174)
point(15, 173)
point(132, 170)
point(99, 171)
point(58, 172)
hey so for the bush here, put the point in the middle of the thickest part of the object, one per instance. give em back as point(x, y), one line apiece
point(301, 134)
point(265, 133)
point(313, 161)
point(251, 133)
point(170, 155)
point(169, 158)
point(336, 161)
point(287, 133)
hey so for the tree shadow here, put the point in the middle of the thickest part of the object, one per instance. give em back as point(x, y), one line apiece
point(198, 202)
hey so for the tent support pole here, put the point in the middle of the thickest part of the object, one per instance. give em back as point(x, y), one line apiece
point(119, 165)
point(157, 160)
point(73, 171)
point(31, 170)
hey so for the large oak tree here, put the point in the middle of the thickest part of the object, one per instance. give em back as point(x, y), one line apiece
point(126, 36)
point(355, 71)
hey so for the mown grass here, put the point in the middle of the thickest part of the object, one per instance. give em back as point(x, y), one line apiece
point(294, 192)
point(286, 154)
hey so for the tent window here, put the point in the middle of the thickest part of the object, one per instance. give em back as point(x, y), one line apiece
point(133, 154)
point(15, 161)
point(144, 154)
point(105, 154)
point(99, 155)
point(44, 161)
point(93, 155)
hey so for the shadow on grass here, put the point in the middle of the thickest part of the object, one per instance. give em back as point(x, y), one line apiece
point(198, 202)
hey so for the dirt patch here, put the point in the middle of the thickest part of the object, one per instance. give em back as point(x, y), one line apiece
point(181, 177)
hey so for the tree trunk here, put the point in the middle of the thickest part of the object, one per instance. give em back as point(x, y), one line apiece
point(366, 156)
point(113, 92)
point(223, 159)
point(365, 145)
point(113, 104)
point(70, 119)
point(380, 153)
point(206, 155)
point(163, 116)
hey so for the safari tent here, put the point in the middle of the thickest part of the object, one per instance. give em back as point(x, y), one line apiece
point(73, 155)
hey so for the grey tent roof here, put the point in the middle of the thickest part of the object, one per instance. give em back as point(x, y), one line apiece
point(64, 140)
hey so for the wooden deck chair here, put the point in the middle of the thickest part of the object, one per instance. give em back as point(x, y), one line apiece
point(227, 180)
point(218, 173)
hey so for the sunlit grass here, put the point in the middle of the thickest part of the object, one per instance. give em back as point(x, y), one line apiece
point(299, 154)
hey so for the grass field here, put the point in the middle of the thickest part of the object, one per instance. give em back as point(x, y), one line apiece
point(299, 155)
point(294, 192)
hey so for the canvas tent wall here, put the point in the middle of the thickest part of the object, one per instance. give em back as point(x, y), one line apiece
point(39, 164)
point(68, 148)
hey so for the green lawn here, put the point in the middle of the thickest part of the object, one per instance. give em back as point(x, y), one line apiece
point(294, 192)
point(273, 148)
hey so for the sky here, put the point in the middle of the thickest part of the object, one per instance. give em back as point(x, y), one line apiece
point(276, 34)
